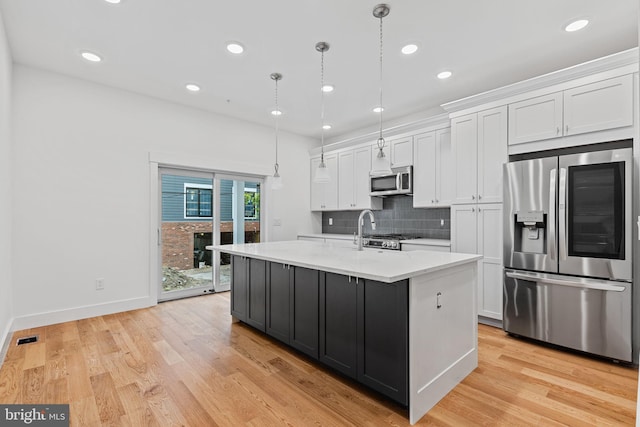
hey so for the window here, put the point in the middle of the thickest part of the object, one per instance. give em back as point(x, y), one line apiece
point(252, 203)
point(197, 202)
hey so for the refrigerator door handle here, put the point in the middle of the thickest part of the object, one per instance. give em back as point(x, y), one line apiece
point(551, 241)
point(584, 283)
point(562, 215)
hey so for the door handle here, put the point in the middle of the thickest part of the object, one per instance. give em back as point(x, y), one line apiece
point(551, 242)
point(599, 285)
point(562, 216)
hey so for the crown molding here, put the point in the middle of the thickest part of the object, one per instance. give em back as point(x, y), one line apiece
point(617, 60)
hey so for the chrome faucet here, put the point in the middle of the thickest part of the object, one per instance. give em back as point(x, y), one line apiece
point(360, 221)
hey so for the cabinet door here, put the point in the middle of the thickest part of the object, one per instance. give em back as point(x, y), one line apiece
point(492, 153)
point(425, 170)
point(304, 310)
point(346, 190)
point(361, 170)
point(325, 196)
point(444, 168)
point(401, 152)
point(607, 104)
point(278, 306)
point(490, 267)
point(256, 310)
point(464, 143)
point(535, 119)
point(464, 231)
point(383, 337)
point(338, 320)
point(239, 287)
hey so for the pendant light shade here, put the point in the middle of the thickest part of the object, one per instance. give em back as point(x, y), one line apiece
point(322, 172)
point(381, 165)
point(276, 181)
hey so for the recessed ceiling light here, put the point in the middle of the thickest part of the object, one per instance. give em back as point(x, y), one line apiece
point(409, 49)
point(113, 1)
point(90, 56)
point(192, 87)
point(378, 109)
point(576, 25)
point(326, 127)
point(444, 75)
point(235, 48)
point(276, 113)
point(328, 88)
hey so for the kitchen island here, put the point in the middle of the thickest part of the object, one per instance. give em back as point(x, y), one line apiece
point(402, 323)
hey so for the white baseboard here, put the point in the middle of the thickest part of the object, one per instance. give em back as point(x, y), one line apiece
point(5, 340)
point(67, 315)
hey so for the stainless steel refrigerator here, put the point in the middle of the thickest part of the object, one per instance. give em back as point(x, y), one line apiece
point(567, 249)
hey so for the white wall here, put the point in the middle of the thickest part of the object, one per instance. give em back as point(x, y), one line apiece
point(82, 198)
point(6, 298)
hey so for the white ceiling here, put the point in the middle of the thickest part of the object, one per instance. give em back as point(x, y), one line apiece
point(155, 47)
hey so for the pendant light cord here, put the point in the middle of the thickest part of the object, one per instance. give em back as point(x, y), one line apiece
point(277, 117)
point(322, 103)
point(381, 139)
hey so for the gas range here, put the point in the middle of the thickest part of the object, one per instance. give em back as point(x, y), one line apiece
point(385, 241)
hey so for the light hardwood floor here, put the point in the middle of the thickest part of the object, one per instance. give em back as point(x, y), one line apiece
point(184, 363)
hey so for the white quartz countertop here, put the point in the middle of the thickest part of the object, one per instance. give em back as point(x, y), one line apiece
point(327, 236)
point(381, 265)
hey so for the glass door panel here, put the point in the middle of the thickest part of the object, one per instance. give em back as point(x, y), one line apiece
point(187, 206)
point(596, 210)
point(239, 219)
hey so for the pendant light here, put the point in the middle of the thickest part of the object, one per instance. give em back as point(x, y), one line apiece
point(381, 164)
point(276, 183)
point(322, 172)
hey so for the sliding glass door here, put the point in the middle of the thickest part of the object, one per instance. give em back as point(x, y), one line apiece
point(186, 229)
point(199, 209)
point(239, 219)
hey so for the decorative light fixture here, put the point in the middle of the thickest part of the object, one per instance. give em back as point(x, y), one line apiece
point(276, 183)
point(322, 173)
point(381, 164)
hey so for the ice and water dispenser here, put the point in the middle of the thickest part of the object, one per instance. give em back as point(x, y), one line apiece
point(530, 232)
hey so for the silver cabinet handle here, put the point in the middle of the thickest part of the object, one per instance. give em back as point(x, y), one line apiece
point(600, 285)
point(438, 303)
point(566, 130)
point(432, 201)
point(473, 197)
point(479, 197)
point(473, 209)
point(558, 130)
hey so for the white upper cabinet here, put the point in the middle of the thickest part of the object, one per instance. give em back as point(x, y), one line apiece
point(492, 153)
point(432, 173)
point(602, 105)
point(464, 147)
point(353, 175)
point(399, 151)
point(324, 197)
point(535, 119)
point(479, 148)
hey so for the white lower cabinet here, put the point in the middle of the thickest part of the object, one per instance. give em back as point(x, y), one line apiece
point(477, 228)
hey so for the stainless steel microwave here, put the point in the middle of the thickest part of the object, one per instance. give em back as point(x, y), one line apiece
point(400, 181)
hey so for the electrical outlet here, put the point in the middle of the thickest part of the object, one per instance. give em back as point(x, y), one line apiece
point(99, 284)
point(277, 222)
point(330, 221)
point(441, 222)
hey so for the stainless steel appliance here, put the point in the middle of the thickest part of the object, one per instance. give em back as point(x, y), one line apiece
point(385, 241)
point(567, 248)
point(400, 181)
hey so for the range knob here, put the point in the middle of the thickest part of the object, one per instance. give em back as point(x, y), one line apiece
point(393, 245)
